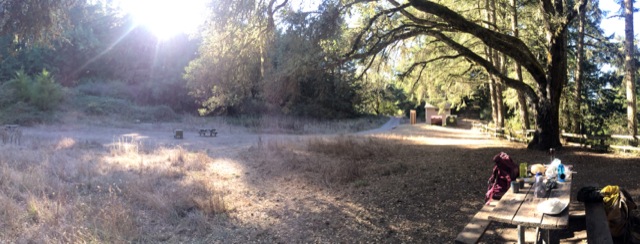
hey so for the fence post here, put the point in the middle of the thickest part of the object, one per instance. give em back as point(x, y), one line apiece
point(412, 115)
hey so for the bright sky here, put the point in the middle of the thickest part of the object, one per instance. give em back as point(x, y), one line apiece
point(305, 5)
point(166, 18)
point(616, 24)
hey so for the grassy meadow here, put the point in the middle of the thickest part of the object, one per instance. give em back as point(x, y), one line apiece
point(415, 184)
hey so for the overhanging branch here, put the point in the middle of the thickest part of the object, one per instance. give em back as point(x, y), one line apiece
point(424, 63)
point(504, 43)
point(489, 67)
point(373, 19)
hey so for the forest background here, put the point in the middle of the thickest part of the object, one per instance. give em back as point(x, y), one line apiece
point(339, 60)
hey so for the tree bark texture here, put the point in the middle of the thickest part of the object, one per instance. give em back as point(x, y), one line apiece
point(630, 69)
point(579, 75)
point(495, 87)
point(522, 99)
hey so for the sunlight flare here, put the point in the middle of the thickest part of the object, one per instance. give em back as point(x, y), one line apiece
point(167, 18)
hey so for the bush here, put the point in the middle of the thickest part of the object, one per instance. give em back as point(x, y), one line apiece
point(24, 114)
point(155, 113)
point(100, 88)
point(45, 94)
point(28, 100)
point(40, 91)
point(94, 105)
point(120, 108)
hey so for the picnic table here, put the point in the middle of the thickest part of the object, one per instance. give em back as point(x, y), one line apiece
point(521, 209)
point(208, 132)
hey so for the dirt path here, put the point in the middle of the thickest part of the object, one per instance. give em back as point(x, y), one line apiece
point(390, 125)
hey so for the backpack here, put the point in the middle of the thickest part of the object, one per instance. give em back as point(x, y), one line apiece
point(504, 171)
point(619, 206)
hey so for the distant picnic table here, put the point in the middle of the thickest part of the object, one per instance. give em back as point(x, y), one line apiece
point(208, 132)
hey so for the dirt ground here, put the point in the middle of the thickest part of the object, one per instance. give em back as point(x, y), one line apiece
point(410, 183)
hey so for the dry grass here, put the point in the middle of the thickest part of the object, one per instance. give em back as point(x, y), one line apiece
point(294, 125)
point(67, 192)
point(415, 185)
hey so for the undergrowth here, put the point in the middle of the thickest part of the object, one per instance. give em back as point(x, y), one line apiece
point(298, 125)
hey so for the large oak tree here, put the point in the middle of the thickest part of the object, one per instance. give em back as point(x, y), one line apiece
point(438, 22)
point(34, 20)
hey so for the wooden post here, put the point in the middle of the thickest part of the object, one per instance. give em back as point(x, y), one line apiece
point(413, 116)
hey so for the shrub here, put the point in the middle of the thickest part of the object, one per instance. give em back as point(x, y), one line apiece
point(24, 114)
point(94, 105)
point(40, 91)
point(120, 108)
point(106, 88)
point(45, 94)
point(154, 113)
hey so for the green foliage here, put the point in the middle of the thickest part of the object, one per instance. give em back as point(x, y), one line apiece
point(605, 101)
point(34, 21)
point(226, 74)
point(243, 70)
point(24, 114)
point(40, 91)
point(45, 94)
point(106, 88)
point(120, 108)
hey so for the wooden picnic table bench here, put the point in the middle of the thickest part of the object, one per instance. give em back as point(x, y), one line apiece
point(475, 229)
point(597, 223)
point(208, 132)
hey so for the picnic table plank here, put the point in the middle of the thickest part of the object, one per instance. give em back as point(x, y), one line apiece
point(474, 230)
point(559, 221)
point(521, 209)
point(508, 206)
point(528, 214)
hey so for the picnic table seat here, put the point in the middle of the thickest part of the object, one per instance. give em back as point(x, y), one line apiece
point(596, 223)
point(474, 230)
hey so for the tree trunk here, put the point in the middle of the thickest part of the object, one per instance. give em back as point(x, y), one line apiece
point(579, 75)
point(524, 111)
point(522, 100)
point(630, 69)
point(494, 100)
point(500, 62)
point(495, 82)
point(548, 106)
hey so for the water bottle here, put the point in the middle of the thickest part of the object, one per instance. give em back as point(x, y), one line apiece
point(523, 170)
point(539, 187)
point(561, 173)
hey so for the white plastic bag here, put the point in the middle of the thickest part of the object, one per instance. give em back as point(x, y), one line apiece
point(552, 169)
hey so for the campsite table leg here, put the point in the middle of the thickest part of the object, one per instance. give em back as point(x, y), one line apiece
point(545, 236)
point(520, 234)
